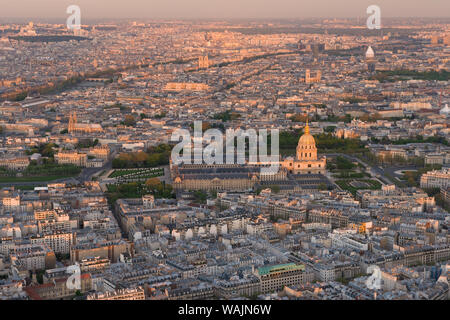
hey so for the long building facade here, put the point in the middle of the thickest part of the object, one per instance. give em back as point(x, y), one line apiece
point(305, 170)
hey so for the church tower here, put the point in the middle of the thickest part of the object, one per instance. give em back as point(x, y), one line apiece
point(70, 128)
point(203, 62)
point(72, 122)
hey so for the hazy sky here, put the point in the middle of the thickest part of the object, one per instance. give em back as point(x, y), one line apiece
point(91, 9)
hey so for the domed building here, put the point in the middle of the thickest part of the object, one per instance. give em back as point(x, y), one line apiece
point(370, 59)
point(445, 111)
point(304, 172)
point(306, 160)
point(370, 54)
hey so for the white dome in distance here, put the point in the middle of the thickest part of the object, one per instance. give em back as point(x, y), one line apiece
point(369, 53)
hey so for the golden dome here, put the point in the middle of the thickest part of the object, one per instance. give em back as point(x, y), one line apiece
point(306, 148)
point(307, 141)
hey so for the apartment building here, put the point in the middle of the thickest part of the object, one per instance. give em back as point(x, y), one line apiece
point(108, 250)
point(58, 289)
point(234, 288)
point(15, 163)
point(436, 179)
point(33, 257)
point(329, 216)
point(71, 157)
point(11, 202)
point(275, 278)
point(120, 294)
point(59, 242)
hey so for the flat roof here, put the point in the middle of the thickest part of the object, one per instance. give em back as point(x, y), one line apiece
point(280, 268)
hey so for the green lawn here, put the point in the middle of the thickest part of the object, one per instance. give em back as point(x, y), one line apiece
point(33, 179)
point(345, 185)
point(40, 173)
point(25, 187)
point(119, 173)
point(144, 173)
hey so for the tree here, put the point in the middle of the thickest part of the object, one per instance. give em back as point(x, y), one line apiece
point(152, 160)
point(40, 276)
point(160, 116)
point(21, 96)
point(153, 183)
point(141, 157)
point(330, 129)
point(200, 196)
point(299, 118)
point(322, 186)
point(275, 188)
point(129, 121)
point(344, 164)
point(47, 149)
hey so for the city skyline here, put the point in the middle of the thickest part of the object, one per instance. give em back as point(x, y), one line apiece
point(231, 151)
point(234, 9)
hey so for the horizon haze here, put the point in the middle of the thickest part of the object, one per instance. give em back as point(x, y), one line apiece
point(215, 9)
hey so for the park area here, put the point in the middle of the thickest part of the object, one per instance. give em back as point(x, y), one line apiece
point(351, 176)
point(141, 174)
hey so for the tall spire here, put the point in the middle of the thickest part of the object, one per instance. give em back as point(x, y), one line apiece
point(72, 121)
point(69, 129)
point(307, 125)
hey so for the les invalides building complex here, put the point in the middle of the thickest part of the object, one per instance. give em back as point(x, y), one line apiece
point(305, 171)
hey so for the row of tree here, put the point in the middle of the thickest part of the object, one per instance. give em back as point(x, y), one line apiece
point(155, 156)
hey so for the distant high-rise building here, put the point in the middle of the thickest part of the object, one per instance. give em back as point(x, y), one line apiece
point(208, 36)
point(437, 40)
point(434, 40)
point(447, 39)
point(316, 49)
